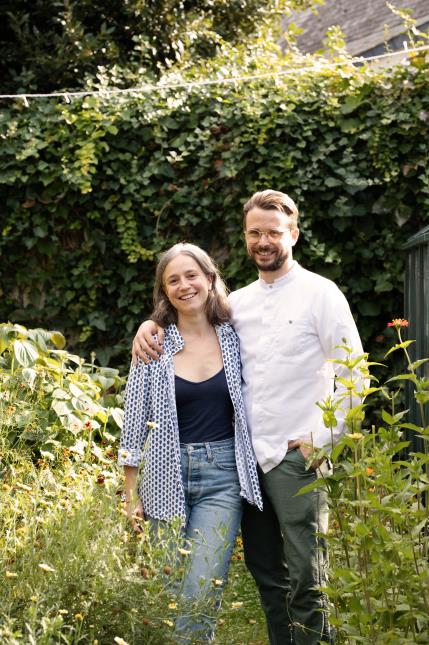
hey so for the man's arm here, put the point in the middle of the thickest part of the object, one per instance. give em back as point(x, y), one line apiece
point(337, 328)
point(145, 346)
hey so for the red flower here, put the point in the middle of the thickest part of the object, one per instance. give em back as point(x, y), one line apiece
point(398, 322)
point(88, 425)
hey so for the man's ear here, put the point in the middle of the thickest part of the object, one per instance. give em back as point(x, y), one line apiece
point(294, 235)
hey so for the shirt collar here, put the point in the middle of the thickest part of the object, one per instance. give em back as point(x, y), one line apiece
point(284, 279)
point(174, 342)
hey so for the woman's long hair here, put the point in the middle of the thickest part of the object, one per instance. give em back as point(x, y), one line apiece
point(217, 306)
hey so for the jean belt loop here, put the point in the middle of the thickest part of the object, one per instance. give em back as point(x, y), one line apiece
point(209, 451)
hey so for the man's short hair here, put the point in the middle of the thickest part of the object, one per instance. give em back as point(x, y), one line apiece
point(272, 200)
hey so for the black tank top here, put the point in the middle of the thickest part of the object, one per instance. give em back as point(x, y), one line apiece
point(204, 409)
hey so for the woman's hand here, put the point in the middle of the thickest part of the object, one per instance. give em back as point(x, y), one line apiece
point(144, 344)
point(135, 514)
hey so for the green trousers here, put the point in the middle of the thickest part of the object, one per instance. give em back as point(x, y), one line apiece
point(286, 555)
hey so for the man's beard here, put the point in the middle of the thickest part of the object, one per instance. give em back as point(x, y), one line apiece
point(276, 264)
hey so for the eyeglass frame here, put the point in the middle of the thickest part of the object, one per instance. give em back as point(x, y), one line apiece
point(274, 235)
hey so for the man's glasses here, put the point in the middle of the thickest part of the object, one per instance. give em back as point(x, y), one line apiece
point(274, 234)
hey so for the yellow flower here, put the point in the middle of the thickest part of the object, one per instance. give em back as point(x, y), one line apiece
point(236, 605)
point(252, 621)
point(11, 574)
point(168, 622)
point(184, 551)
point(34, 598)
point(217, 583)
point(355, 435)
point(78, 616)
point(46, 567)
point(172, 605)
point(152, 425)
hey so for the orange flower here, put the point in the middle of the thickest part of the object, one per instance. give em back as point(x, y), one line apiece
point(398, 322)
point(370, 471)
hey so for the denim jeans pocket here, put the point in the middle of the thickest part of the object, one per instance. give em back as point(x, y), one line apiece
point(224, 458)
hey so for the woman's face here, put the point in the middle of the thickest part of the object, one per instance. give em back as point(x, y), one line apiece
point(186, 285)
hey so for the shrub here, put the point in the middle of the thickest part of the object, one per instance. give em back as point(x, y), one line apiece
point(52, 401)
point(379, 530)
point(94, 189)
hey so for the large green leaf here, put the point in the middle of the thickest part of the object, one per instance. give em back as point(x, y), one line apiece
point(25, 352)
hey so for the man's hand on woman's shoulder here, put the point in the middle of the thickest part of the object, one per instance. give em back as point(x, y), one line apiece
point(145, 346)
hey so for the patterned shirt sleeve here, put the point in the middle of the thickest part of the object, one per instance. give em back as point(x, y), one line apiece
point(137, 413)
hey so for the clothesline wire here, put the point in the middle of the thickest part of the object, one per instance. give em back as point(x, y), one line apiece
point(318, 66)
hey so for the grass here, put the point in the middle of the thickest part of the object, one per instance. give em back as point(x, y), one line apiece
point(241, 619)
point(72, 572)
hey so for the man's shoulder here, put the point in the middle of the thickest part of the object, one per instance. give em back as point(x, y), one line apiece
point(317, 281)
point(243, 292)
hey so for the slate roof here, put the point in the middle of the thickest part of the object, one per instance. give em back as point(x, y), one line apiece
point(362, 21)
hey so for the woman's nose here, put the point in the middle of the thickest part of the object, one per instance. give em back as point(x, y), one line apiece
point(184, 283)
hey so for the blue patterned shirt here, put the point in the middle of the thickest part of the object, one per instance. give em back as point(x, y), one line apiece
point(150, 435)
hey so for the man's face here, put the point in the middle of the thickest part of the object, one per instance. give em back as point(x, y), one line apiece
point(269, 239)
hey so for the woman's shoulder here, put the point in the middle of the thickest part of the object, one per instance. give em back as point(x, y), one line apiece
point(226, 328)
point(227, 332)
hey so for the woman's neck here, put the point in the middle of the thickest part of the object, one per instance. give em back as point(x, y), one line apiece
point(197, 325)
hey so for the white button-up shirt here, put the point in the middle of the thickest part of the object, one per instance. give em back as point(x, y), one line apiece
point(287, 331)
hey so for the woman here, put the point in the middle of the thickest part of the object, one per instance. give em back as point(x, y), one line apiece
point(185, 422)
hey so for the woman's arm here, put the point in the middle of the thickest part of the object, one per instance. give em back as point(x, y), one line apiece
point(133, 437)
point(133, 505)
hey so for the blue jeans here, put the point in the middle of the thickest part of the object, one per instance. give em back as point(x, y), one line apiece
point(213, 514)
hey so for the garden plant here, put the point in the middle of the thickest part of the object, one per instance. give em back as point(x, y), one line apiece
point(73, 572)
point(378, 494)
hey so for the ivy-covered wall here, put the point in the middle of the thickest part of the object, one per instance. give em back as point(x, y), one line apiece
point(91, 190)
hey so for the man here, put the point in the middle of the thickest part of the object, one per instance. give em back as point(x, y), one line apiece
point(290, 322)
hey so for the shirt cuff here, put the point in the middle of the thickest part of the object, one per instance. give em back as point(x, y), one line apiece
point(130, 457)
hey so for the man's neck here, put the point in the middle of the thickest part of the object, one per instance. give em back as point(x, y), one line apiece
point(270, 276)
